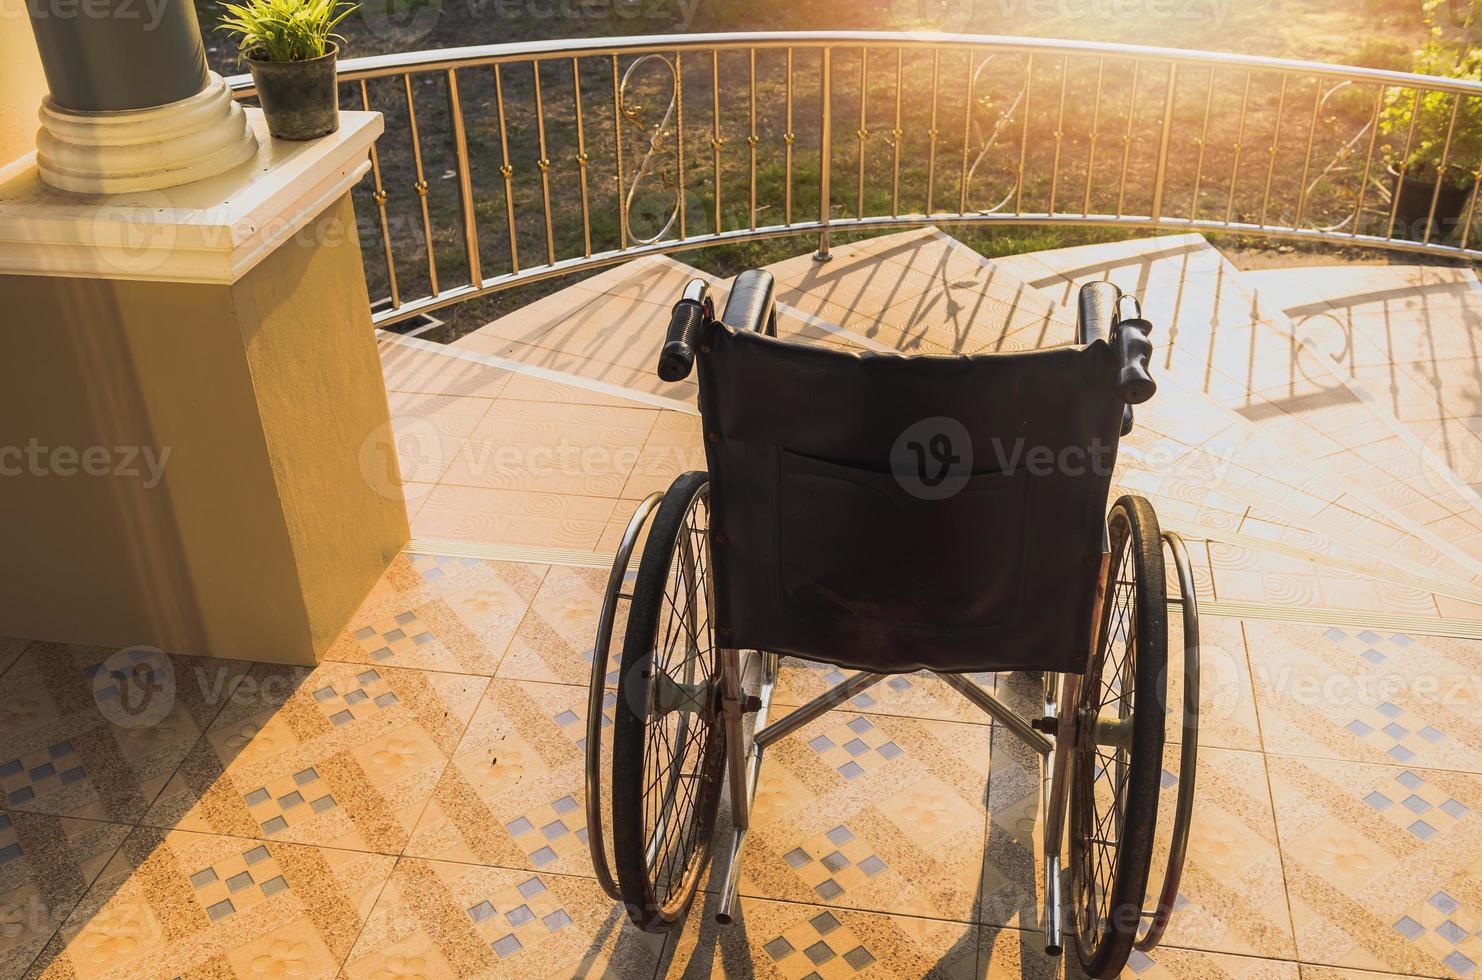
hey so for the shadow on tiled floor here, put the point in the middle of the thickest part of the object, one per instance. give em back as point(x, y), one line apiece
point(414, 807)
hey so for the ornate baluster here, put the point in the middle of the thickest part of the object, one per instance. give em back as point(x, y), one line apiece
point(1127, 139)
point(787, 140)
point(1358, 206)
point(1317, 101)
point(421, 185)
point(931, 153)
point(967, 131)
point(1239, 145)
point(1059, 131)
point(581, 160)
point(679, 139)
point(379, 196)
point(751, 138)
point(1466, 228)
point(465, 183)
point(1430, 217)
point(825, 150)
point(1272, 150)
point(716, 141)
point(1394, 204)
point(544, 163)
point(617, 130)
point(1023, 136)
point(863, 132)
point(1201, 142)
point(895, 140)
point(1160, 176)
point(507, 172)
point(1095, 136)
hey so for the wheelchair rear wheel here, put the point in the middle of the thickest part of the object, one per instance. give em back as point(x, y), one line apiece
point(1118, 758)
point(668, 733)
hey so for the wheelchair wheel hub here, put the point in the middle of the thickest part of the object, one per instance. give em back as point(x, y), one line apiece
point(671, 695)
point(1112, 730)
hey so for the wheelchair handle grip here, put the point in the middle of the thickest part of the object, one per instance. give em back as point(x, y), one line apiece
point(1133, 350)
point(677, 357)
point(1097, 312)
point(751, 305)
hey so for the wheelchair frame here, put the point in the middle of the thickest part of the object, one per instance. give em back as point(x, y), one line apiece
point(1053, 736)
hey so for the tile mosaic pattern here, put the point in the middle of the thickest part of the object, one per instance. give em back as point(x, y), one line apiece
point(414, 806)
point(398, 819)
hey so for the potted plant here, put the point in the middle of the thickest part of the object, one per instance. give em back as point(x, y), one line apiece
point(1421, 176)
point(289, 46)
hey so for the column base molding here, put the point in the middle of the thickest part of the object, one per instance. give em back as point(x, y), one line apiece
point(143, 149)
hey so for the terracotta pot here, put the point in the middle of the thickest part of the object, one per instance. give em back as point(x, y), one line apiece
point(299, 98)
point(1413, 195)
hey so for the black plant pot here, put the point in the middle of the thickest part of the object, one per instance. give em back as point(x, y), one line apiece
point(1413, 206)
point(299, 99)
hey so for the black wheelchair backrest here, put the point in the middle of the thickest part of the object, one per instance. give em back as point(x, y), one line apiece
point(892, 513)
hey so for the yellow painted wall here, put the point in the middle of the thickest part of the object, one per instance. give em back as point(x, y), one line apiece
point(21, 83)
point(262, 537)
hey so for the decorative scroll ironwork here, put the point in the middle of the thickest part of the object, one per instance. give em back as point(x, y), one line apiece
point(635, 112)
point(1323, 176)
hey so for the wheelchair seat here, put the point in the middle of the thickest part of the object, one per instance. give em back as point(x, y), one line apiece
point(891, 513)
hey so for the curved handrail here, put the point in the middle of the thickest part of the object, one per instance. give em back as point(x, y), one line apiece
point(1312, 169)
point(441, 59)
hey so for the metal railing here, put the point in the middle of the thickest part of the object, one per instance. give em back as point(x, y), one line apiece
point(505, 164)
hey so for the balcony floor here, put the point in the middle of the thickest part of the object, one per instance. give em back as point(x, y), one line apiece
point(412, 807)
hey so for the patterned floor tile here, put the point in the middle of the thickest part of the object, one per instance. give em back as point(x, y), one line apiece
point(437, 919)
point(1367, 696)
point(1227, 703)
point(344, 755)
point(439, 612)
point(513, 793)
point(1381, 864)
point(872, 812)
point(1173, 963)
point(1313, 972)
point(1231, 898)
point(554, 640)
point(174, 903)
point(89, 732)
point(791, 941)
point(46, 865)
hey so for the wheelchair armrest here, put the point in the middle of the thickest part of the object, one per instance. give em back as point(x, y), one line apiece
point(1097, 314)
point(677, 356)
point(750, 305)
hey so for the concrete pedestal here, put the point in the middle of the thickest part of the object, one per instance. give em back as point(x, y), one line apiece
point(192, 391)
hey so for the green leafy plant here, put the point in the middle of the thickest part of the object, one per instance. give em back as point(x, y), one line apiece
point(284, 30)
point(1429, 112)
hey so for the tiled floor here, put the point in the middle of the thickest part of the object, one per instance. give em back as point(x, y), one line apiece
point(407, 809)
point(414, 806)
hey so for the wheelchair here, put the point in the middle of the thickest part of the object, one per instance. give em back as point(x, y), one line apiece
point(883, 514)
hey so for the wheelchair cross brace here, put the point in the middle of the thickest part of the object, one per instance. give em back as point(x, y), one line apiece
point(744, 761)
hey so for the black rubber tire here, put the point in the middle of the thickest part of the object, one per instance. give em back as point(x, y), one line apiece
point(1137, 556)
point(658, 905)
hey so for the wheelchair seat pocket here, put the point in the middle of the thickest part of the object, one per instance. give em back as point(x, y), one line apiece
point(855, 542)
